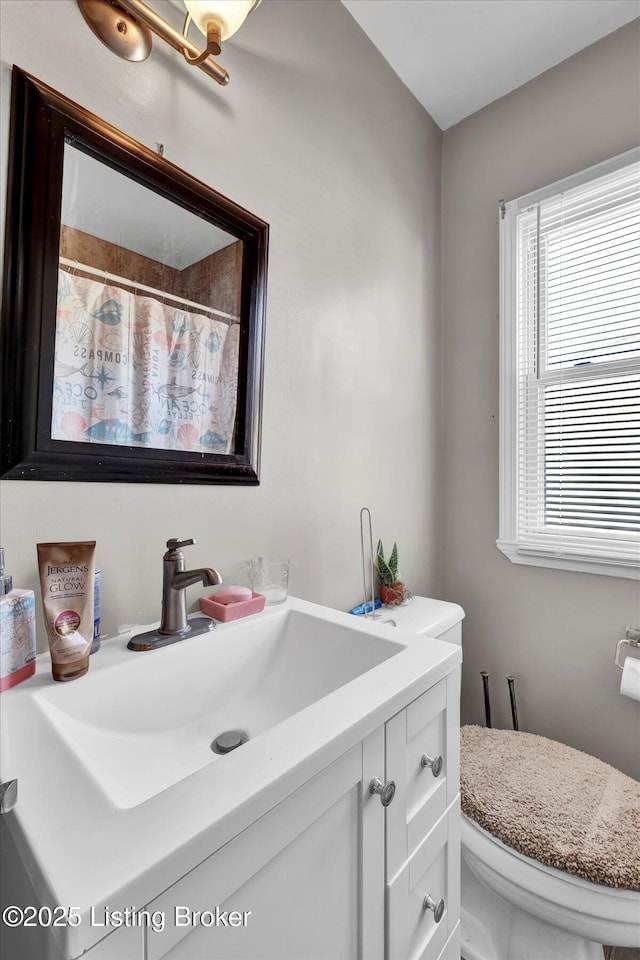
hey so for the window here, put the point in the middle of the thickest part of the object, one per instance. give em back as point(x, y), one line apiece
point(570, 373)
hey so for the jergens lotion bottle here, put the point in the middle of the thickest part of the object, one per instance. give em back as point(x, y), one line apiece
point(67, 582)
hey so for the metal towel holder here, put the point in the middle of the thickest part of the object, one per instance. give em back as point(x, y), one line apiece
point(368, 604)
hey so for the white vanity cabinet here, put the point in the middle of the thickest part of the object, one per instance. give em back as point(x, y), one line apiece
point(278, 851)
point(330, 872)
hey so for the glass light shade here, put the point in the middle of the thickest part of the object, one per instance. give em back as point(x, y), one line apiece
point(230, 14)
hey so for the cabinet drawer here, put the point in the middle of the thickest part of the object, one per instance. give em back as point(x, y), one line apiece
point(426, 741)
point(451, 949)
point(433, 871)
point(423, 758)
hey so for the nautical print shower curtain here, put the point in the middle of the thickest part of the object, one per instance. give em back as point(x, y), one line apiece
point(133, 370)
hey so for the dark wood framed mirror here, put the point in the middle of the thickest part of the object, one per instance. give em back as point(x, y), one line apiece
point(133, 309)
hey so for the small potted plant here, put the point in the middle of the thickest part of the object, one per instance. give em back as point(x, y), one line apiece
point(391, 587)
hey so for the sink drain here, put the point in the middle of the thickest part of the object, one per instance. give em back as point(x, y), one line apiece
point(229, 740)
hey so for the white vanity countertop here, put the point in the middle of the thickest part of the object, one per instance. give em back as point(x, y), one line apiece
point(82, 850)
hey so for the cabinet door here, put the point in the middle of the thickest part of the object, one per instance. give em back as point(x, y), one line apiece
point(306, 881)
point(423, 758)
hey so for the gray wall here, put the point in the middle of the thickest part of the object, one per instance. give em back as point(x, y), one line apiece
point(316, 135)
point(556, 631)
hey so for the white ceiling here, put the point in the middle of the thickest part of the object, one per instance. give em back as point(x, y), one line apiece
point(457, 56)
point(105, 204)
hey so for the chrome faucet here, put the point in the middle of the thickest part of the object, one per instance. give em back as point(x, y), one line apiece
point(174, 624)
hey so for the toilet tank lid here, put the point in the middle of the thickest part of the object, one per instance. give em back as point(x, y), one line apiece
point(426, 615)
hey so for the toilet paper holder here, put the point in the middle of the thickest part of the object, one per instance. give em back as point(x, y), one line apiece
point(631, 639)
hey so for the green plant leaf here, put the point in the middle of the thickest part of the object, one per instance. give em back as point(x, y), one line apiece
point(384, 570)
point(393, 562)
point(386, 576)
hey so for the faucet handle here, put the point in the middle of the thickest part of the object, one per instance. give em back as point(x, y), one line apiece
point(174, 544)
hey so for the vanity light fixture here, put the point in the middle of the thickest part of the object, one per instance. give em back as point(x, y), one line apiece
point(126, 26)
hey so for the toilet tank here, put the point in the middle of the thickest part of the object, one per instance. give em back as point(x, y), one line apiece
point(433, 618)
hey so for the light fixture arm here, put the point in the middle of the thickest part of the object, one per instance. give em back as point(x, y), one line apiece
point(214, 42)
point(175, 39)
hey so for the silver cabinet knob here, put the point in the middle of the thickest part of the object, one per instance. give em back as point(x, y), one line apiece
point(438, 908)
point(435, 764)
point(386, 791)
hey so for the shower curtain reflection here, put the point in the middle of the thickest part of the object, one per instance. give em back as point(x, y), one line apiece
point(133, 369)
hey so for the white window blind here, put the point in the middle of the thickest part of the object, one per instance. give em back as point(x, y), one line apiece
point(570, 457)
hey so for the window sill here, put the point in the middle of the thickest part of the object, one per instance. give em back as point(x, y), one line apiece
point(537, 557)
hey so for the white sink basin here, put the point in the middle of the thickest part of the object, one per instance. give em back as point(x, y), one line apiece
point(149, 722)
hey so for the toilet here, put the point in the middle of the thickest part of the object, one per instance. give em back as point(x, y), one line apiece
point(515, 907)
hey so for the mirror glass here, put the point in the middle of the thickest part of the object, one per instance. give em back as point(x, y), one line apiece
point(148, 317)
point(132, 331)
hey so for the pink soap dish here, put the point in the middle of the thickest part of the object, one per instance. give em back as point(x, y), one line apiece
point(232, 611)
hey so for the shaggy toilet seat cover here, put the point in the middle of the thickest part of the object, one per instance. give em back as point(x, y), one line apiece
point(553, 803)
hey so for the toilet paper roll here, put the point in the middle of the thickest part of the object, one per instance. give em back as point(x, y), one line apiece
point(630, 683)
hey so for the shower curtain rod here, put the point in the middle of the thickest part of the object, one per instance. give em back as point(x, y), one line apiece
point(103, 274)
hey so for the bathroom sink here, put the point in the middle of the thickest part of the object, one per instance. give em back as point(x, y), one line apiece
point(144, 724)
